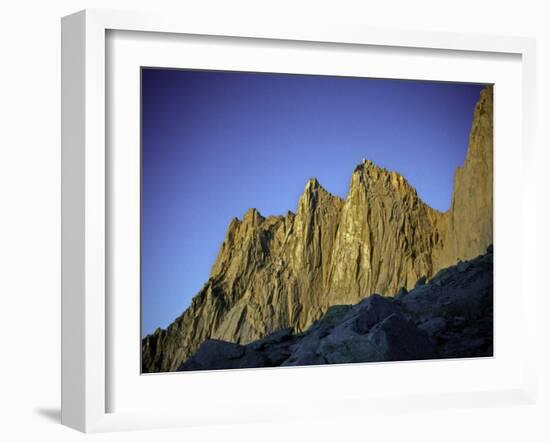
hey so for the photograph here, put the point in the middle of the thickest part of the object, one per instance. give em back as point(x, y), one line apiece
point(303, 220)
point(249, 222)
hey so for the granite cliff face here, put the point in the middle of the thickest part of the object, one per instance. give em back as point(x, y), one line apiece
point(285, 272)
point(451, 316)
point(468, 224)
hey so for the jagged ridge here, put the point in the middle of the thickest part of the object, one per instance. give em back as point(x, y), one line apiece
point(285, 272)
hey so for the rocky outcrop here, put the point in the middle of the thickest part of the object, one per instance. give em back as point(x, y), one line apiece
point(286, 272)
point(468, 225)
point(385, 240)
point(449, 317)
point(267, 276)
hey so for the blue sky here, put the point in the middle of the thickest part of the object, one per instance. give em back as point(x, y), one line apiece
point(217, 143)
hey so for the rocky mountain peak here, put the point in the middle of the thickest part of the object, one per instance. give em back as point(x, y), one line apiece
point(367, 175)
point(313, 189)
point(312, 184)
point(314, 203)
point(252, 216)
point(285, 272)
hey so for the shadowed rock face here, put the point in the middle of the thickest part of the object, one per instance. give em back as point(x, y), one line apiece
point(285, 272)
point(451, 316)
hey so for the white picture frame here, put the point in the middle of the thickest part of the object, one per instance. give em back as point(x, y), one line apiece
point(86, 203)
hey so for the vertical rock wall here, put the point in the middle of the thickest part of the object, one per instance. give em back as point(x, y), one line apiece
point(285, 271)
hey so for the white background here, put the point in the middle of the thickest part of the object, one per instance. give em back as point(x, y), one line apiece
point(30, 219)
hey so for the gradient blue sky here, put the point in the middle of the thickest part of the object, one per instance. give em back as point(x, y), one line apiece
point(217, 143)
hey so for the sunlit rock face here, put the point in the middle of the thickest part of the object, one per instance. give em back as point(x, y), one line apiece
point(450, 316)
point(385, 238)
point(285, 272)
point(468, 224)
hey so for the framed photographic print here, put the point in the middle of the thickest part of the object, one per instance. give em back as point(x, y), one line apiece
point(272, 220)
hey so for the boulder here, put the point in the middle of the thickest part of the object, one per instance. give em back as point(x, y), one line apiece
point(398, 339)
point(214, 354)
point(372, 310)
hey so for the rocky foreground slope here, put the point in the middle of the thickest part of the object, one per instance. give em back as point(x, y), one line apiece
point(451, 316)
point(285, 272)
